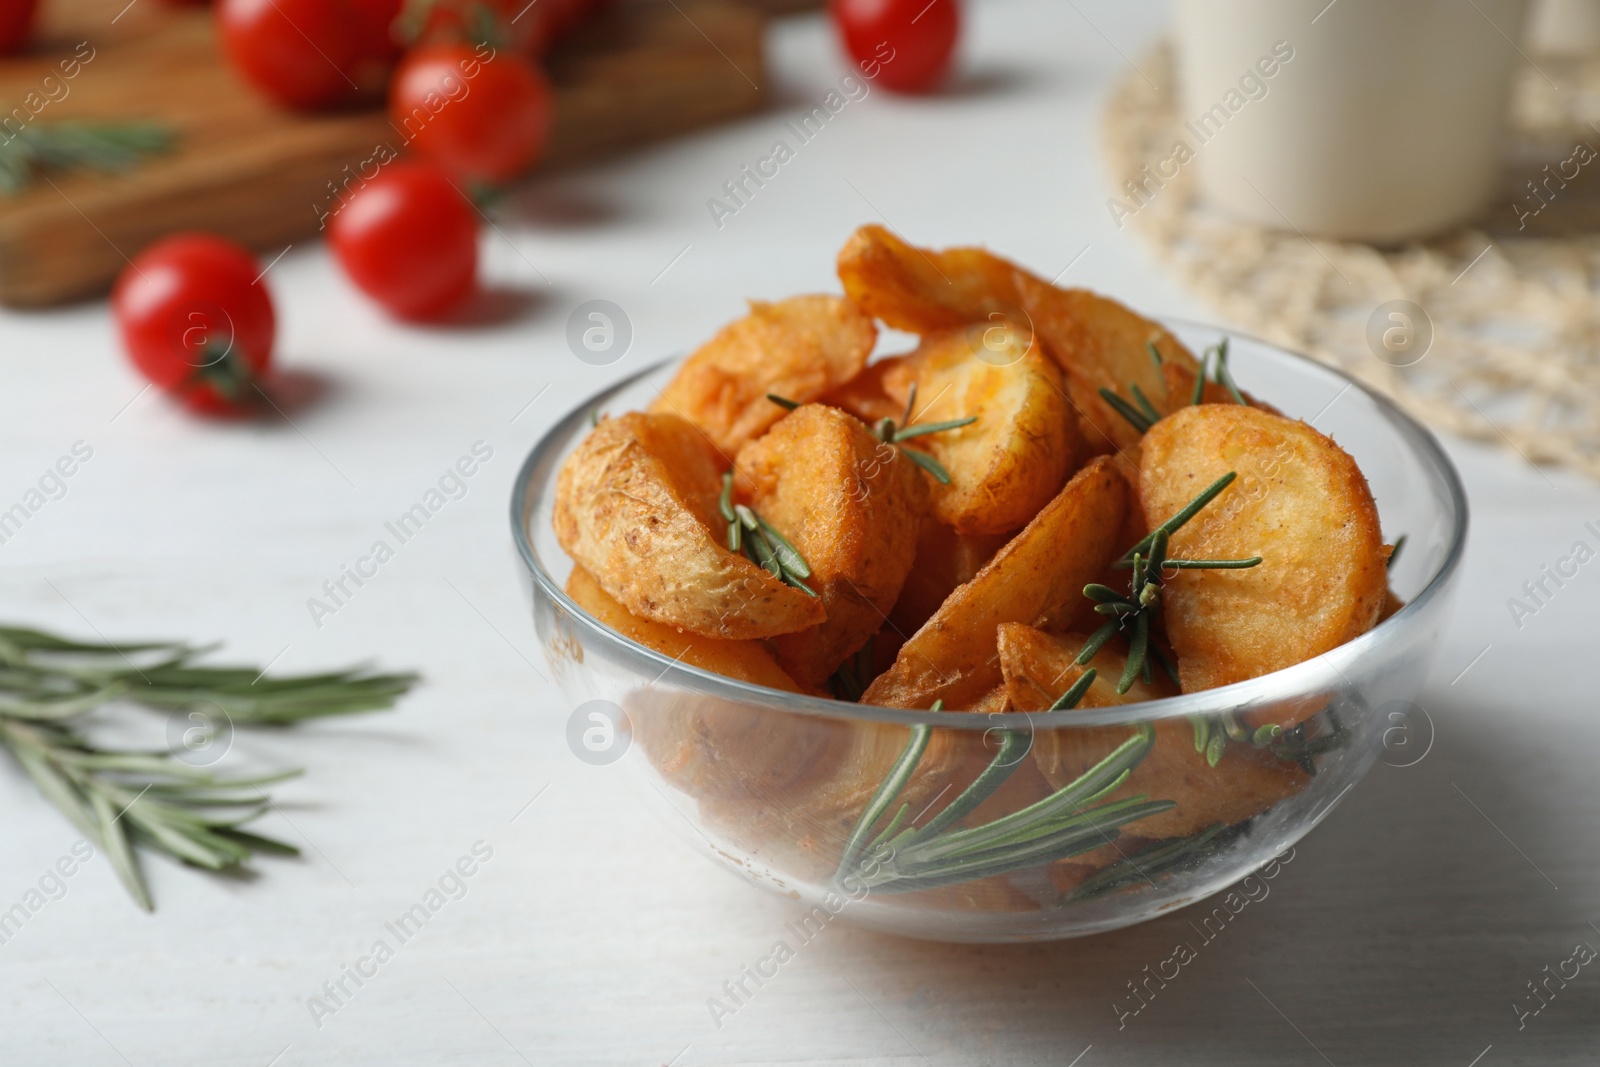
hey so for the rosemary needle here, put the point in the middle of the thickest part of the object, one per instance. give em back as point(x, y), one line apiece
point(120, 799)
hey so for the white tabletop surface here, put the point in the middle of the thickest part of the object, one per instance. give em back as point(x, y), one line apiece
point(1403, 932)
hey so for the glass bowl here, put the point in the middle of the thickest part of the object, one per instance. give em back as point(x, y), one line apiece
point(773, 785)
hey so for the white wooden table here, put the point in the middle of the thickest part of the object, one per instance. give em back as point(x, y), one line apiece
point(1403, 931)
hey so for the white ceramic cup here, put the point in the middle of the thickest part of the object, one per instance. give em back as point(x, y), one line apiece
point(1381, 120)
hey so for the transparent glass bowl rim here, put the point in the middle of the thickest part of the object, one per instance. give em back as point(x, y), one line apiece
point(1303, 678)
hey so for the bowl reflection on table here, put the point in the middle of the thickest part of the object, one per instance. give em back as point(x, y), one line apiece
point(772, 784)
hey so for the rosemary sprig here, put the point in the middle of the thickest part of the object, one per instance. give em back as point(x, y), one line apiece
point(1148, 862)
point(1394, 553)
point(1132, 613)
point(761, 543)
point(892, 434)
point(1214, 369)
point(107, 147)
point(123, 798)
point(854, 674)
point(1073, 819)
point(1138, 419)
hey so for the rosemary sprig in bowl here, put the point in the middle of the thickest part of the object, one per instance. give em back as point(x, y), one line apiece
point(122, 798)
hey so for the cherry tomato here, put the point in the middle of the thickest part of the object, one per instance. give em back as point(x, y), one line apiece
point(482, 115)
point(375, 36)
point(298, 52)
point(16, 23)
point(196, 322)
point(904, 45)
point(409, 240)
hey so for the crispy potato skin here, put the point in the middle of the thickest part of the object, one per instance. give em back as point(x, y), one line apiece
point(852, 505)
point(923, 290)
point(636, 504)
point(798, 348)
point(1039, 667)
point(747, 661)
point(1100, 343)
point(944, 560)
point(1032, 579)
point(1301, 503)
point(1013, 460)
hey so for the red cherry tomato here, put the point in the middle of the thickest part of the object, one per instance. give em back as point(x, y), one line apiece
point(375, 35)
point(483, 119)
point(16, 23)
point(297, 52)
point(409, 240)
point(196, 322)
point(904, 45)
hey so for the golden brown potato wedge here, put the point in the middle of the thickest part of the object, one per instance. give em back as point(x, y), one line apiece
point(1039, 667)
point(923, 290)
point(798, 348)
point(1035, 577)
point(1009, 463)
point(1391, 604)
point(944, 560)
point(636, 506)
point(867, 396)
point(747, 661)
point(1301, 503)
point(1100, 343)
point(852, 506)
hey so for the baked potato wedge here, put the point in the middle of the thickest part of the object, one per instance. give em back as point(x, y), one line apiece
point(867, 395)
point(1099, 343)
point(922, 290)
point(746, 661)
point(1036, 576)
point(636, 506)
point(798, 348)
point(944, 560)
point(852, 506)
point(1301, 503)
point(1039, 667)
point(1009, 463)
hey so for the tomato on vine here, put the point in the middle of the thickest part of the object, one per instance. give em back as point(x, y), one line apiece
point(482, 115)
point(197, 321)
point(904, 45)
point(408, 239)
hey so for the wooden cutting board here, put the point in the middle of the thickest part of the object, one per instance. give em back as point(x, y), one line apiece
point(242, 168)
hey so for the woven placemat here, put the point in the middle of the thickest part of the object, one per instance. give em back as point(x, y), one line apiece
point(1515, 314)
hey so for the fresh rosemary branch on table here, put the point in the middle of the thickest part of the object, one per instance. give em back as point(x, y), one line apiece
point(109, 147)
point(122, 798)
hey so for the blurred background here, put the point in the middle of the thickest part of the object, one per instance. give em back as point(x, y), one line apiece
point(272, 269)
